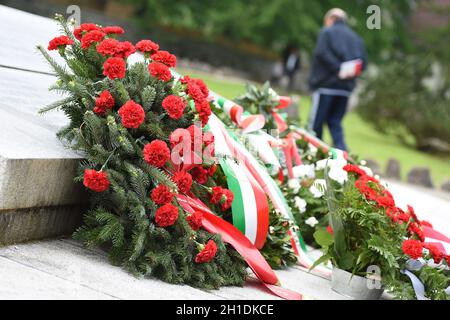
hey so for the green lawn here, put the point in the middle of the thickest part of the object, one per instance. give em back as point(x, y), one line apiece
point(361, 137)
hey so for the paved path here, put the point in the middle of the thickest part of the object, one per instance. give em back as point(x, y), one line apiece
point(63, 269)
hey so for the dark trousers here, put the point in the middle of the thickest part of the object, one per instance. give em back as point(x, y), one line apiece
point(329, 106)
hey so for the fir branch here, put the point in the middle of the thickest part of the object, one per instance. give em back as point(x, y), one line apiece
point(55, 105)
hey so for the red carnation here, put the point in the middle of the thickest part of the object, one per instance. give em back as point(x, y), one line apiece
point(200, 174)
point(147, 46)
point(355, 169)
point(229, 196)
point(96, 180)
point(447, 259)
point(412, 248)
point(113, 30)
point(330, 230)
point(161, 194)
point(223, 196)
point(195, 220)
point(108, 47)
point(208, 138)
point(412, 213)
point(125, 49)
point(166, 215)
point(61, 41)
point(164, 57)
point(92, 37)
point(183, 180)
point(177, 138)
point(160, 71)
point(208, 252)
point(84, 28)
point(414, 228)
point(212, 170)
point(132, 114)
point(202, 86)
point(103, 102)
point(156, 153)
point(196, 136)
point(114, 68)
point(435, 252)
point(174, 105)
point(385, 202)
point(204, 111)
point(216, 195)
point(194, 91)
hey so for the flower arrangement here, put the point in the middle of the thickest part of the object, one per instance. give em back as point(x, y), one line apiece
point(132, 122)
point(368, 229)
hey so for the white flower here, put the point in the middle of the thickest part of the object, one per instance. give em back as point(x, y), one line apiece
point(336, 172)
point(321, 164)
point(367, 170)
point(300, 204)
point(318, 188)
point(312, 149)
point(294, 184)
point(311, 221)
point(304, 171)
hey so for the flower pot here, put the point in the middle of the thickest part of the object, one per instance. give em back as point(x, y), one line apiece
point(353, 286)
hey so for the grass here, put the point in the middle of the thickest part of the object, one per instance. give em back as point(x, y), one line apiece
point(362, 138)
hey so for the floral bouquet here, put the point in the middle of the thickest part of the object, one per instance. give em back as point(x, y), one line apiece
point(141, 132)
point(368, 230)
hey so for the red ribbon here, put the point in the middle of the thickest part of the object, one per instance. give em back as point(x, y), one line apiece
point(231, 235)
point(284, 103)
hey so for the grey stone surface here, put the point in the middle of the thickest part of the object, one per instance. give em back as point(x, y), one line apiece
point(20, 225)
point(37, 192)
point(36, 170)
point(393, 169)
point(63, 269)
point(445, 186)
point(421, 177)
point(21, 32)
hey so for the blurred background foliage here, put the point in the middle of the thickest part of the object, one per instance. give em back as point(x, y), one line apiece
point(272, 25)
point(403, 105)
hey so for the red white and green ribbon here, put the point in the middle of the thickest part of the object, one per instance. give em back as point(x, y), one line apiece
point(269, 186)
point(241, 244)
point(250, 207)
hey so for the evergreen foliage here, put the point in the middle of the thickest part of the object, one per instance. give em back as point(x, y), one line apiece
point(122, 218)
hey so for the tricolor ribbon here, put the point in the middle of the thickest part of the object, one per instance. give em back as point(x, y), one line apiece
point(247, 123)
point(231, 235)
point(279, 121)
point(266, 182)
point(250, 208)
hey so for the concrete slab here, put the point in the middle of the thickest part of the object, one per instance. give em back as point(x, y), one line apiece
point(38, 197)
point(36, 170)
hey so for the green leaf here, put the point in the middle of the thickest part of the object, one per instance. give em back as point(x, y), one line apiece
point(323, 237)
point(322, 259)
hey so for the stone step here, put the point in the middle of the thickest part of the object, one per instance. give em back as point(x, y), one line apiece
point(38, 198)
point(37, 195)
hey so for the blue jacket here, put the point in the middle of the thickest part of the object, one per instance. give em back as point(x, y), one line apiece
point(336, 44)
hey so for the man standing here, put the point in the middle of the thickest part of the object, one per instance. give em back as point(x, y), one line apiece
point(338, 59)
